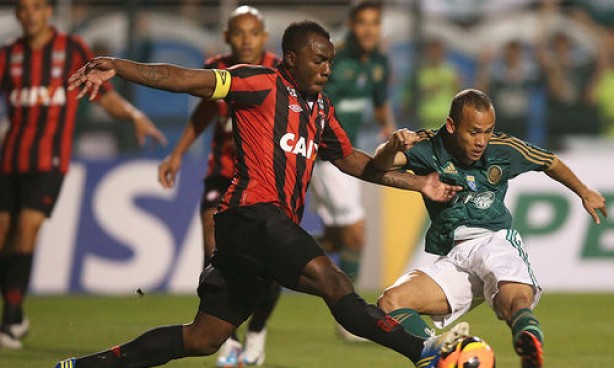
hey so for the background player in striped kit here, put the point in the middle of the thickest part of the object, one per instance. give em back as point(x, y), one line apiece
point(282, 121)
point(359, 81)
point(246, 35)
point(481, 257)
point(36, 150)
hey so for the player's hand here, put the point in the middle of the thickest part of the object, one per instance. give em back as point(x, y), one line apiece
point(403, 139)
point(167, 171)
point(593, 201)
point(143, 128)
point(91, 76)
point(435, 190)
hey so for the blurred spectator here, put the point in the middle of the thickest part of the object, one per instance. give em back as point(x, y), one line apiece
point(438, 82)
point(600, 12)
point(511, 79)
point(568, 70)
point(602, 89)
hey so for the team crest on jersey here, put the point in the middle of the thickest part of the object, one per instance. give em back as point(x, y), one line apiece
point(378, 73)
point(471, 183)
point(494, 174)
point(291, 91)
point(295, 108)
point(450, 169)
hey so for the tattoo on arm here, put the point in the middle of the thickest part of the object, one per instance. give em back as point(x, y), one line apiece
point(152, 74)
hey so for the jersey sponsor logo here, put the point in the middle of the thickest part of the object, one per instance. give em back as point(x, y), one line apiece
point(298, 146)
point(295, 108)
point(45, 96)
point(56, 72)
point(484, 200)
point(58, 56)
point(494, 174)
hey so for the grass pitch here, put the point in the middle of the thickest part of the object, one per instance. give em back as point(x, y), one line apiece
point(579, 331)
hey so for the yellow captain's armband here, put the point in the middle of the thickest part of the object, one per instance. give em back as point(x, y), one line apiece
point(222, 84)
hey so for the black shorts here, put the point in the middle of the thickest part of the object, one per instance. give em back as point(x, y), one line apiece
point(215, 187)
point(38, 191)
point(255, 246)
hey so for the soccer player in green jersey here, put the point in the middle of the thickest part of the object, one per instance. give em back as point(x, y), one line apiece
point(481, 257)
point(359, 80)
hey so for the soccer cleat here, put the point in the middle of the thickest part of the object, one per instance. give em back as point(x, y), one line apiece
point(253, 351)
point(348, 336)
point(229, 356)
point(529, 348)
point(435, 345)
point(9, 341)
point(19, 330)
point(66, 363)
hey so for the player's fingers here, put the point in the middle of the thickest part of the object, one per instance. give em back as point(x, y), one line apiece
point(604, 210)
point(94, 91)
point(595, 216)
point(83, 92)
point(159, 137)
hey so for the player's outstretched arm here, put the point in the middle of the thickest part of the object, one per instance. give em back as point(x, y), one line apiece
point(197, 82)
point(389, 155)
point(592, 200)
point(116, 106)
point(202, 115)
point(360, 165)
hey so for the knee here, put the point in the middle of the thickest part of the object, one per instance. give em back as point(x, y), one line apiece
point(198, 343)
point(390, 300)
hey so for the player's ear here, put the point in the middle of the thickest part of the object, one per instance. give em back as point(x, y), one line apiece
point(450, 125)
point(290, 58)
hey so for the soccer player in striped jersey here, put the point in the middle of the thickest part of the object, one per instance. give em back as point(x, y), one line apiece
point(36, 149)
point(482, 256)
point(246, 35)
point(281, 122)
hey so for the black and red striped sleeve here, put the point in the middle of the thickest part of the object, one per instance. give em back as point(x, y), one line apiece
point(335, 143)
point(251, 85)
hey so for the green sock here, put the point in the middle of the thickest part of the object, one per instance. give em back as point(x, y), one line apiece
point(524, 320)
point(411, 322)
point(349, 263)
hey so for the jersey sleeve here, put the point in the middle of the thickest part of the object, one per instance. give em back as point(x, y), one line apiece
point(335, 143)
point(417, 160)
point(81, 54)
point(380, 92)
point(523, 156)
point(250, 85)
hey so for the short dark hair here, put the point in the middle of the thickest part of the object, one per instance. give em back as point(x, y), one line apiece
point(471, 97)
point(296, 34)
point(363, 5)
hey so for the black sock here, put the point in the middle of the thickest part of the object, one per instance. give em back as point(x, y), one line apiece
point(15, 286)
point(153, 348)
point(368, 321)
point(264, 309)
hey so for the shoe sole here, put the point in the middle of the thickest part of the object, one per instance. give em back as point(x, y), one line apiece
point(530, 350)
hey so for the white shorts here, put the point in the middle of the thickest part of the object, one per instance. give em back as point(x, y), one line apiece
point(335, 195)
point(471, 272)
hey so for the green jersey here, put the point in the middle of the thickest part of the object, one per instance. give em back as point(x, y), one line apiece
point(485, 182)
point(355, 84)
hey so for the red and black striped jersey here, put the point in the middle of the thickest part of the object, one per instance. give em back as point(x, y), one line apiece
point(222, 155)
point(278, 136)
point(40, 108)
